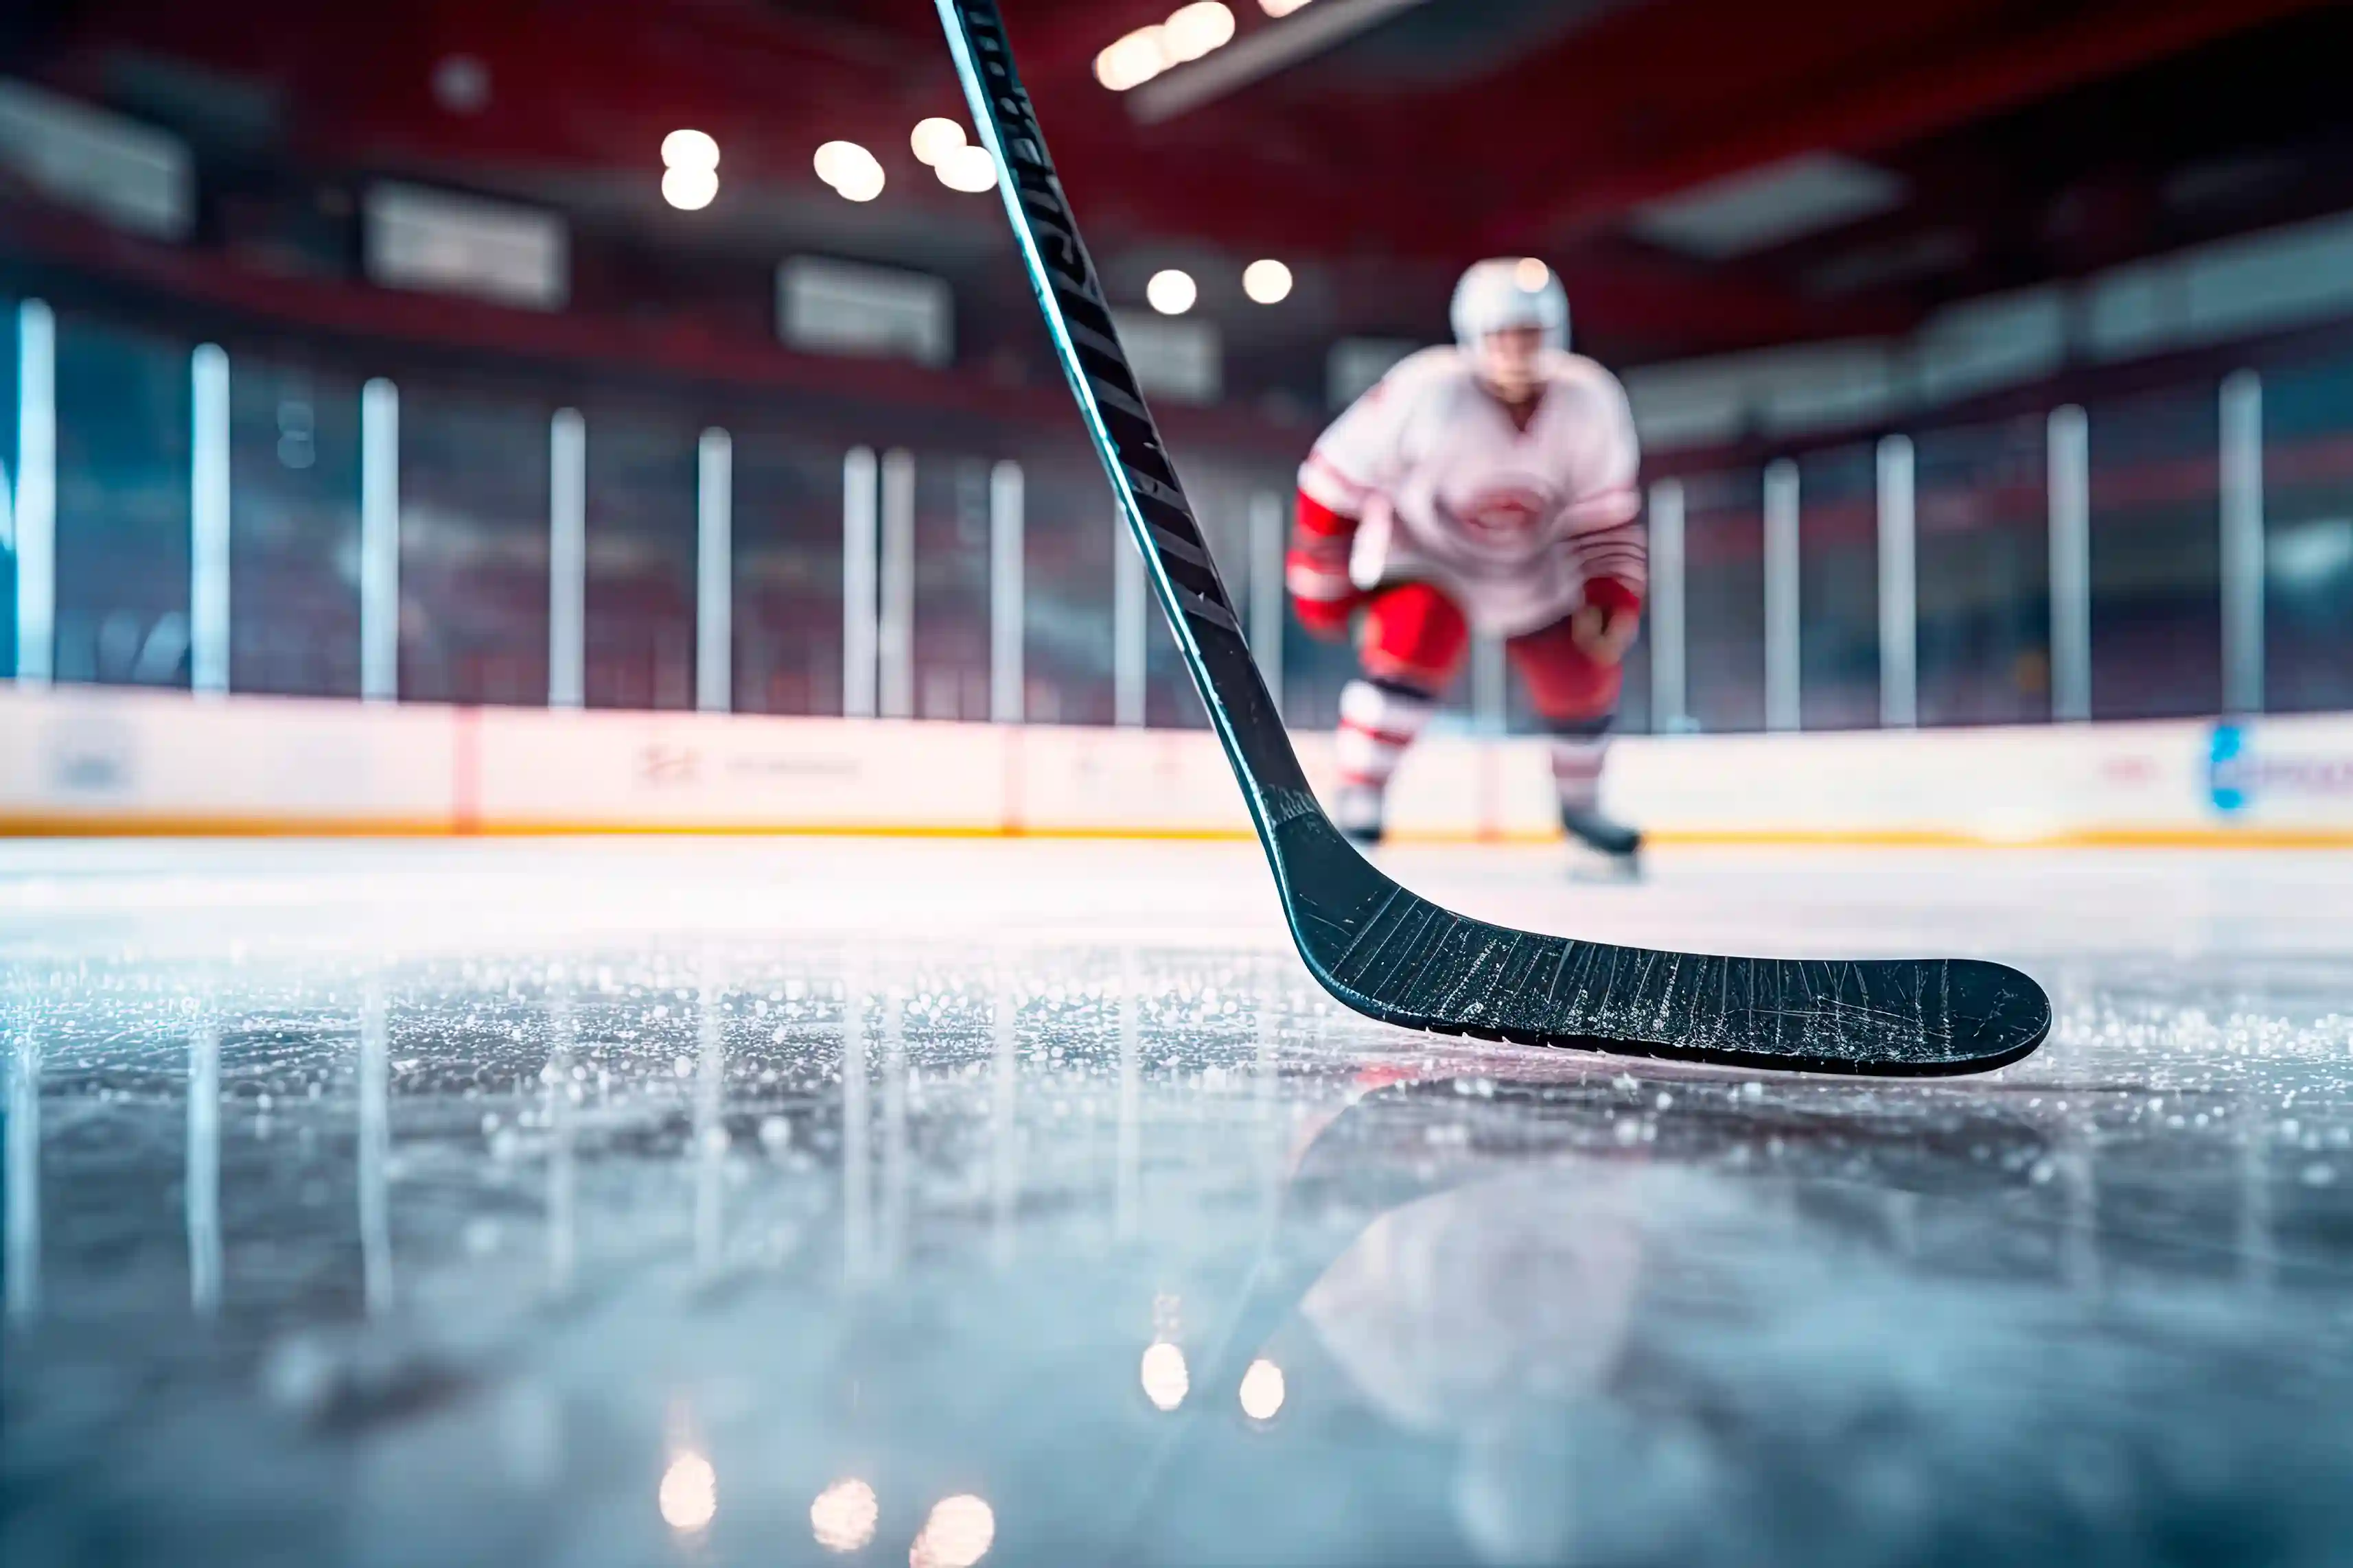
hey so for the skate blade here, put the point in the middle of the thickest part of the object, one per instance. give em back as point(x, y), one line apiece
point(1591, 868)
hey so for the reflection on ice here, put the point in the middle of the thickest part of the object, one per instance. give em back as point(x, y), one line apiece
point(375, 1147)
point(843, 1516)
point(710, 1136)
point(1454, 1306)
point(857, 1160)
point(909, 1216)
point(1262, 1390)
point(563, 1094)
point(1166, 1379)
point(204, 1169)
point(956, 1536)
point(1004, 1102)
point(893, 1174)
point(689, 1493)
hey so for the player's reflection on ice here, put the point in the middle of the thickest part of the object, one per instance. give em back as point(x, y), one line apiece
point(1470, 1259)
point(1682, 1321)
point(1144, 1254)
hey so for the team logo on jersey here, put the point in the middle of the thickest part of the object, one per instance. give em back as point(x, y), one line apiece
point(1512, 515)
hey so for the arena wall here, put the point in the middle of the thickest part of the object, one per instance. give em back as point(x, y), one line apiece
point(88, 759)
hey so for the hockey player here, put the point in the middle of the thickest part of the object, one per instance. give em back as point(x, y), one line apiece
point(1490, 485)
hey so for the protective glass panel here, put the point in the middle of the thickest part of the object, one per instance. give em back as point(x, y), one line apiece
point(294, 528)
point(473, 545)
point(9, 415)
point(1067, 540)
point(951, 586)
point(1634, 708)
point(2308, 530)
point(1837, 589)
point(787, 562)
point(2156, 595)
point(122, 505)
point(1984, 556)
point(640, 623)
point(1723, 599)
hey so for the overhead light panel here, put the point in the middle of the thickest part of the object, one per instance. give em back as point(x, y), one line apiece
point(1759, 208)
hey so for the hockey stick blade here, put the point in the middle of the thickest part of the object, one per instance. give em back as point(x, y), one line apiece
point(1378, 948)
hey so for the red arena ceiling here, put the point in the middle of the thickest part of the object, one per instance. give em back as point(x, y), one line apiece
point(1411, 137)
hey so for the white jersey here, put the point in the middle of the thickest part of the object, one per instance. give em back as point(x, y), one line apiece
point(1514, 523)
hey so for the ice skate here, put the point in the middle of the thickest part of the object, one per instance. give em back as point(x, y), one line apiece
point(1602, 849)
point(1357, 812)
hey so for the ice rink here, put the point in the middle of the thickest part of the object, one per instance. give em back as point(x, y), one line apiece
point(623, 1202)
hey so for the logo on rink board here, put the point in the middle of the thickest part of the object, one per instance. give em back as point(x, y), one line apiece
point(662, 766)
point(92, 753)
point(2226, 768)
point(2237, 774)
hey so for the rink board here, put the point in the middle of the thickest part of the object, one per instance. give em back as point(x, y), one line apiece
point(85, 760)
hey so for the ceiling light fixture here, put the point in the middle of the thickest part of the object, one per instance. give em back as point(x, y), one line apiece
point(935, 140)
point(855, 174)
point(1267, 282)
point(1171, 292)
point(968, 168)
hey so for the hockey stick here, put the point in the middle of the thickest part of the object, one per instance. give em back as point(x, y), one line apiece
point(1382, 949)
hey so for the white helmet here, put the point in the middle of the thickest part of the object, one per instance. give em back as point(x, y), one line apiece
point(1510, 291)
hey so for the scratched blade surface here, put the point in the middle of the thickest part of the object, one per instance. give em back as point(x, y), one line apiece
point(1378, 948)
point(1392, 954)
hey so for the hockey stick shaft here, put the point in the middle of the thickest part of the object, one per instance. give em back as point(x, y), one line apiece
point(1200, 612)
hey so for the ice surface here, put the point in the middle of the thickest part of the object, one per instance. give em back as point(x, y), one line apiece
point(637, 1201)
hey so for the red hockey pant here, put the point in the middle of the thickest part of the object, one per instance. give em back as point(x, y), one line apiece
point(1415, 636)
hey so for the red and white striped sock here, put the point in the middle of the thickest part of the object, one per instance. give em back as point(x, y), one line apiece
point(1577, 770)
point(1378, 722)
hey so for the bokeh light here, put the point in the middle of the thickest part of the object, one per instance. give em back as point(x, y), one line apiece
point(842, 1518)
point(1192, 31)
point(957, 1534)
point(851, 170)
point(1268, 282)
point(1171, 292)
point(689, 189)
point(1132, 61)
point(1262, 1390)
point(968, 168)
point(461, 84)
point(689, 150)
point(1165, 1378)
point(935, 139)
point(689, 1493)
